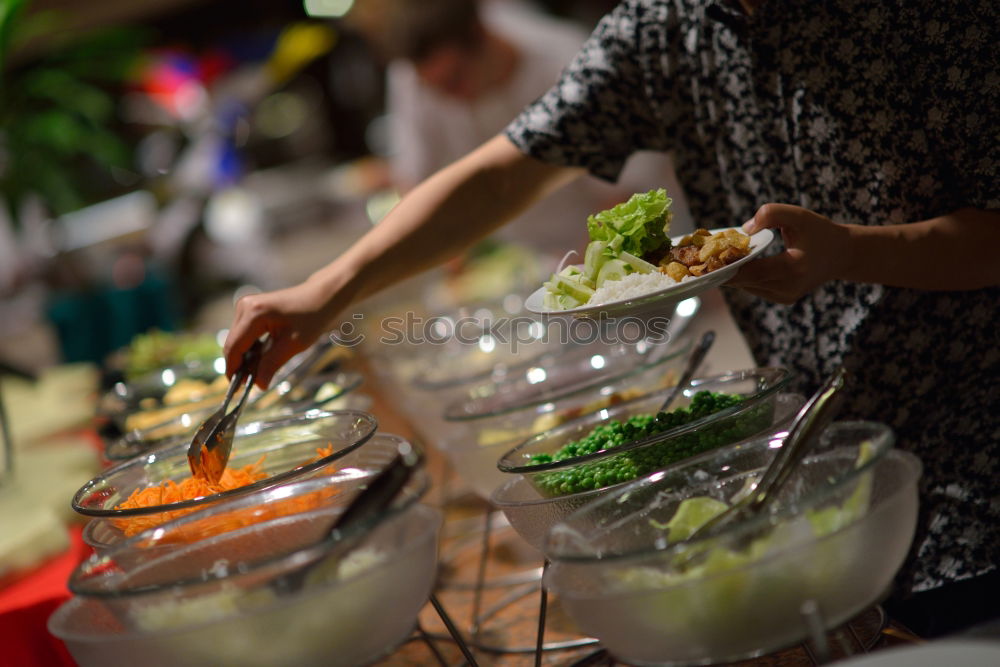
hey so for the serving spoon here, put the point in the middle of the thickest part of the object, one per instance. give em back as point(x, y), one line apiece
point(351, 526)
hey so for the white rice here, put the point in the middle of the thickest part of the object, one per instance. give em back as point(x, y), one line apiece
point(631, 286)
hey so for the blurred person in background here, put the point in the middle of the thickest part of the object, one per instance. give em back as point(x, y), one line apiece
point(458, 71)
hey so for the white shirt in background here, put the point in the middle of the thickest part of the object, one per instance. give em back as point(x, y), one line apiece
point(429, 130)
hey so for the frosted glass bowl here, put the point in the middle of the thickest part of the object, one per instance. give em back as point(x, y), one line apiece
point(120, 449)
point(449, 394)
point(836, 537)
point(216, 600)
point(317, 392)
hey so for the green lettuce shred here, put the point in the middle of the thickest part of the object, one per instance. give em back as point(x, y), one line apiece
point(637, 226)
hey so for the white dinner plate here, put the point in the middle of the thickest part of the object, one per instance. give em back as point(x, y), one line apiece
point(660, 301)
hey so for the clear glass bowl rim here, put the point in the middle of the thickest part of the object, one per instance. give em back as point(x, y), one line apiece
point(781, 378)
point(282, 563)
point(498, 497)
point(683, 344)
point(882, 436)
point(273, 480)
point(347, 380)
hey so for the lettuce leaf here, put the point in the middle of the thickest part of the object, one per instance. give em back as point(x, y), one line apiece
point(637, 226)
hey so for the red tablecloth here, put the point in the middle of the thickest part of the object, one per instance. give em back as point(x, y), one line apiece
point(25, 607)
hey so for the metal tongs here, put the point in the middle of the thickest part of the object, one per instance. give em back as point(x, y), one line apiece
point(352, 525)
point(697, 356)
point(809, 423)
point(209, 451)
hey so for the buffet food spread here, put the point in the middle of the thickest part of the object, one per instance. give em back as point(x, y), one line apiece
point(567, 441)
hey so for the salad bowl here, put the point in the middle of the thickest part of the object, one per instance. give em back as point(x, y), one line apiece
point(832, 542)
point(278, 451)
point(219, 599)
point(737, 405)
point(532, 512)
point(180, 421)
point(489, 419)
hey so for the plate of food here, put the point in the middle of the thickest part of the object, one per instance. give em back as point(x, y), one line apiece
point(632, 265)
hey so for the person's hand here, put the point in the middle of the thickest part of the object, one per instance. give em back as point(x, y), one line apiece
point(816, 251)
point(294, 318)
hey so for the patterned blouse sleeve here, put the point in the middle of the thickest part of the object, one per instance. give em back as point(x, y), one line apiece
point(599, 112)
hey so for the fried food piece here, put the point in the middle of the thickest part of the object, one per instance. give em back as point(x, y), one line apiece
point(732, 253)
point(714, 263)
point(735, 238)
point(698, 269)
point(722, 241)
point(696, 238)
point(686, 255)
point(676, 270)
point(711, 248)
point(702, 252)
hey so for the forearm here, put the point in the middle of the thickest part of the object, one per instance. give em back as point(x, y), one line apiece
point(957, 251)
point(439, 218)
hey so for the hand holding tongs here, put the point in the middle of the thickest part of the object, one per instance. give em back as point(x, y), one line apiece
point(210, 448)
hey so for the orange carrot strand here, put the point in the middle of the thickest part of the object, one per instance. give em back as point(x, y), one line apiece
point(191, 488)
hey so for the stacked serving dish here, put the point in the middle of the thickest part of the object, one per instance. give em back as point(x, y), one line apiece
point(828, 549)
point(219, 578)
point(476, 397)
point(217, 586)
point(489, 419)
point(165, 407)
point(531, 496)
point(286, 450)
point(424, 367)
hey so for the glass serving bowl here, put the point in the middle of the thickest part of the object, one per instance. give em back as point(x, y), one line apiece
point(525, 370)
point(123, 449)
point(313, 393)
point(185, 388)
point(224, 599)
point(454, 347)
point(474, 445)
point(443, 353)
point(153, 390)
point(288, 447)
point(102, 532)
point(576, 369)
point(757, 388)
point(532, 514)
point(836, 536)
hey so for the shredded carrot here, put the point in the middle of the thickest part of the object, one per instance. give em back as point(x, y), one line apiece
point(196, 487)
point(323, 452)
point(219, 524)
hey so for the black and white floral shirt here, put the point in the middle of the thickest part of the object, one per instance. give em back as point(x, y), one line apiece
point(866, 112)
